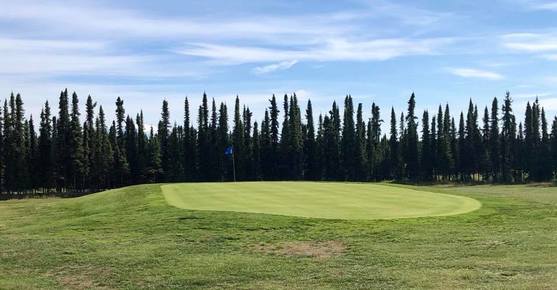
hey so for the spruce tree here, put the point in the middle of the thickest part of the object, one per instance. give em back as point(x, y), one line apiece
point(238, 140)
point(256, 152)
point(77, 157)
point(296, 140)
point(223, 141)
point(348, 144)
point(189, 158)
point(394, 148)
point(163, 134)
point(274, 129)
point(284, 162)
point(311, 168)
point(153, 171)
point(266, 149)
point(411, 150)
point(426, 165)
point(494, 141)
point(373, 139)
point(553, 146)
point(361, 171)
point(247, 169)
point(508, 138)
point(141, 148)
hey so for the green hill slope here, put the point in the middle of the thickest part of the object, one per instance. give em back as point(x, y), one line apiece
point(130, 238)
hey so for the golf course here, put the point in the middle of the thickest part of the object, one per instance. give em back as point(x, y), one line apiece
point(283, 235)
point(317, 199)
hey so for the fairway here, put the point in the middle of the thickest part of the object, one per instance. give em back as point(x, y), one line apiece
point(329, 200)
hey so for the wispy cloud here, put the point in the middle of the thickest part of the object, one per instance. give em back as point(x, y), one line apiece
point(52, 58)
point(541, 5)
point(118, 23)
point(475, 73)
point(284, 65)
point(530, 42)
point(337, 49)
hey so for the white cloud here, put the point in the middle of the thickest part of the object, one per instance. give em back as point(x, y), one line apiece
point(543, 5)
point(332, 49)
point(475, 73)
point(118, 23)
point(284, 65)
point(530, 42)
point(52, 58)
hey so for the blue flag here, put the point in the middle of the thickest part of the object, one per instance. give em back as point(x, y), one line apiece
point(229, 150)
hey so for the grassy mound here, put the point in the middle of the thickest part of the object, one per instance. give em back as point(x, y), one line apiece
point(131, 238)
point(317, 199)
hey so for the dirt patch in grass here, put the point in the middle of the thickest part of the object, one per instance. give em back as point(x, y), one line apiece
point(80, 277)
point(314, 249)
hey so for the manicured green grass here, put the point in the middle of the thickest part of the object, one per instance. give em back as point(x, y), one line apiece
point(131, 238)
point(317, 199)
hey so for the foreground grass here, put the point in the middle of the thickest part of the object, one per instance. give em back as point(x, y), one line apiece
point(331, 200)
point(130, 238)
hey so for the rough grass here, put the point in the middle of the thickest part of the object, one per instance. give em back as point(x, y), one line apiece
point(131, 238)
point(317, 199)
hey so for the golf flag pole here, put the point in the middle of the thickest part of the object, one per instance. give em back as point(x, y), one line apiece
point(230, 152)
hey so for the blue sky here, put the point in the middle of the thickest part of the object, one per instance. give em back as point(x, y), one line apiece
point(377, 51)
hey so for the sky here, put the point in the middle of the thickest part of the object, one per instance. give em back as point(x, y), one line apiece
point(375, 50)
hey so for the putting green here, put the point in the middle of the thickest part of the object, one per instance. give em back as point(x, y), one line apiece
point(330, 200)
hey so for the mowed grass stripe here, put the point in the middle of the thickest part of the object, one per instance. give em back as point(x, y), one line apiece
point(330, 200)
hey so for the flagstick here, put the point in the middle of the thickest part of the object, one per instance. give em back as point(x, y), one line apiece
point(233, 165)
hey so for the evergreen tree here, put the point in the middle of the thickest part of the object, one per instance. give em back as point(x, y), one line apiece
point(374, 155)
point(2, 155)
point(348, 154)
point(45, 162)
point(311, 170)
point(545, 167)
point(32, 155)
point(203, 141)
point(266, 150)
point(131, 142)
point(163, 134)
point(256, 152)
point(284, 164)
point(247, 170)
point(335, 148)
point(141, 148)
point(153, 171)
point(103, 154)
point(426, 154)
point(553, 145)
point(62, 148)
point(274, 133)
point(189, 158)
point(361, 170)
point(394, 148)
point(89, 141)
point(238, 140)
point(78, 163)
point(411, 150)
point(494, 144)
point(223, 141)
point(296, 140)
point(508, 138)
point(175, 149)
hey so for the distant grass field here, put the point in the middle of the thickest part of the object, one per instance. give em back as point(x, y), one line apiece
point(132, 238)
point(317, 199)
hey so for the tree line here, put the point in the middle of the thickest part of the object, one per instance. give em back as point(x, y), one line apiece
point(67, 155)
